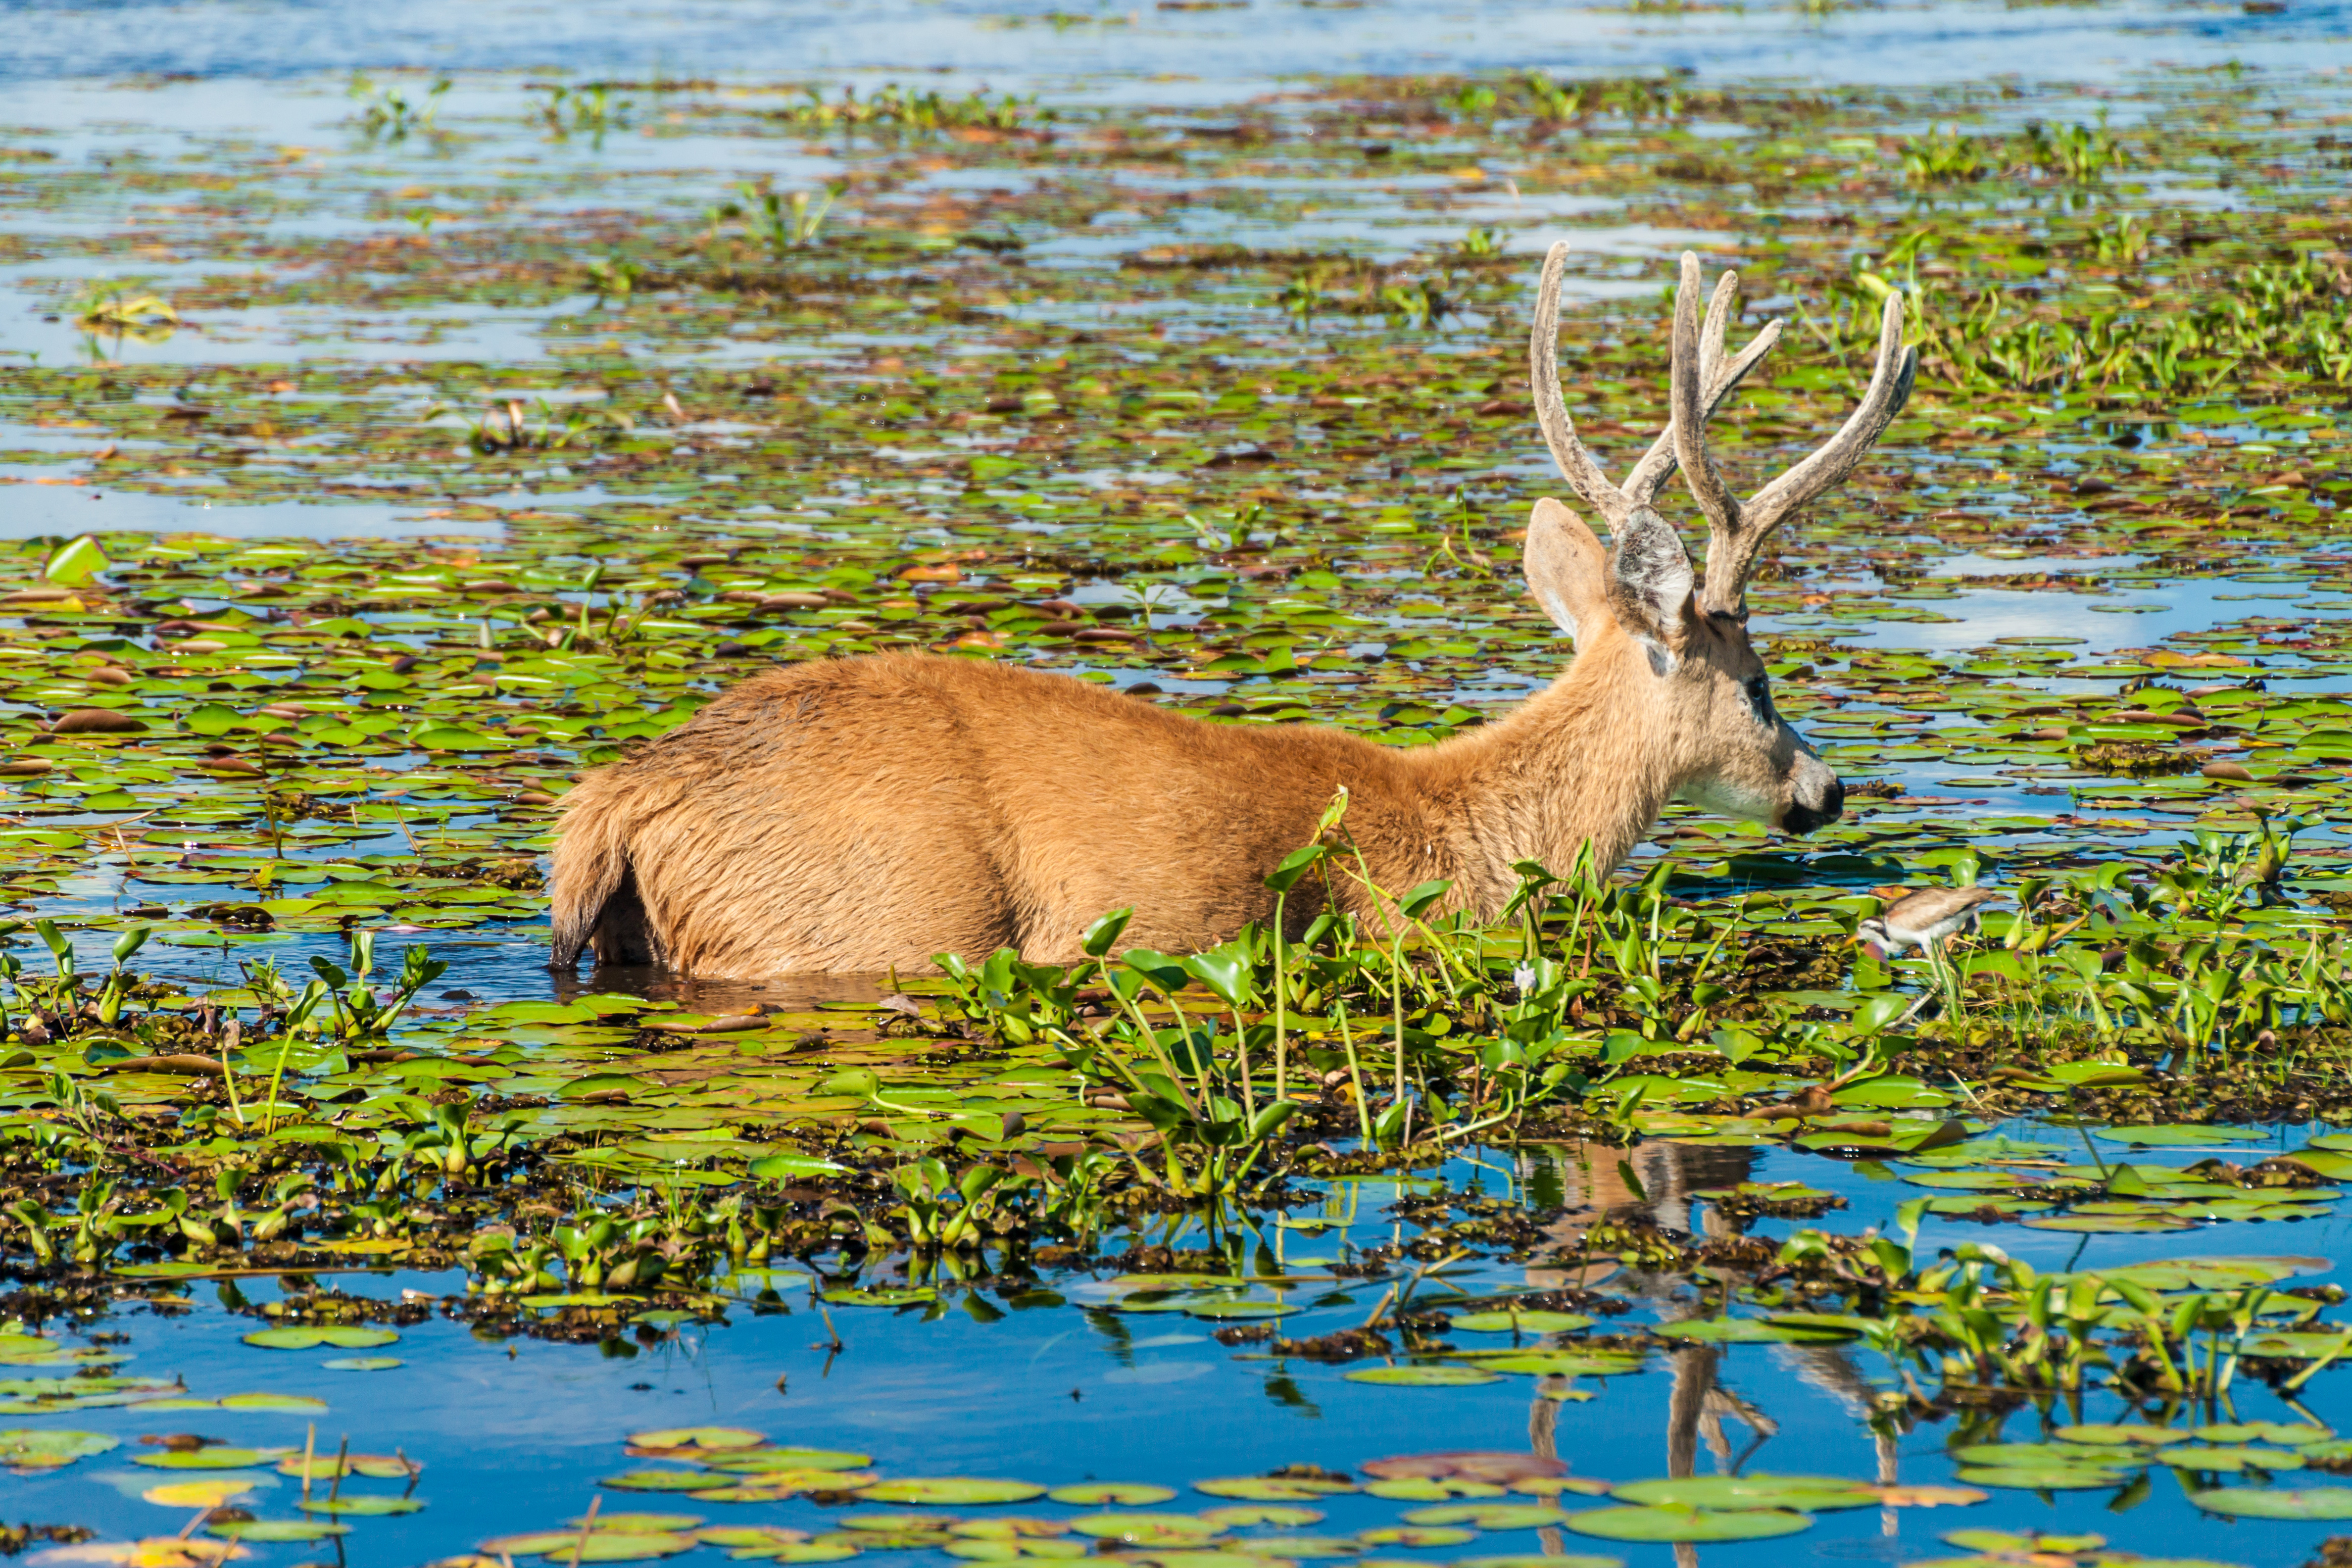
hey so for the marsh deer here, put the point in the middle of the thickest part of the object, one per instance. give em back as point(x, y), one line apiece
point(858, 814)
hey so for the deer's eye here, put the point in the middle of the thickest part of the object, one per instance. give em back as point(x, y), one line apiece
point(1759, 700)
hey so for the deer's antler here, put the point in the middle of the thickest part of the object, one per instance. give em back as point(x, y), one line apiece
point(1736, 530)
point(1616, 503)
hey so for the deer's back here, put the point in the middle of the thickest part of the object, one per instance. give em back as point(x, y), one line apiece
point(852, 815)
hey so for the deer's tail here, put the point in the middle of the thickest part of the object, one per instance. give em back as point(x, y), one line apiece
point(594, 891)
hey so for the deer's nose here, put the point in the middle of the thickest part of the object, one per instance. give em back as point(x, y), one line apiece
point(1804, 816)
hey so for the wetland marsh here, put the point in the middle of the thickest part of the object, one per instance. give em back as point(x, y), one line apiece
point(379, 450)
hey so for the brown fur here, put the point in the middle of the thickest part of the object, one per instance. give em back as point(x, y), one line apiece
point(863, 814)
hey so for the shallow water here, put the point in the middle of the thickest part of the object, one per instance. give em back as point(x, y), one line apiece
point(1036, 1377)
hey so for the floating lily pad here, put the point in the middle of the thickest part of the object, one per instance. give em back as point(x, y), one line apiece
point(719, 1439)
point(1123, 1494)
point(1531, 1322)
point(362, 1364)
point(2173, 1137)
point(1416, 1535)
point(361, 1504)
point(951, 1491)
point(1422, 1376)
point(2277, 1502)
point(659, 1482)
point(277, 1530)
point(1273, 1488)
point(1672, 1524)
point(207, 1458)
point(31, 1448)
point(1489, 1515)
point(1148, 1529)
point(1800, 1494)
point(308, 1337)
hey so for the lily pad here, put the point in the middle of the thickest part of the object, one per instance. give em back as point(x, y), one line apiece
point(1531, 1322)
point(277, 1530)
point(1148, 1529)
point(1678, 1524)
point(308, 1337)
point(1422, 1376)
point(1801, 1494)
point(1489, 1515)
point(951, 1491)
point(1121, 1494)
point(2277, 1502)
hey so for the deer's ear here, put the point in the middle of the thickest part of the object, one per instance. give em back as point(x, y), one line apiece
point(1650, 581)
point(1568, 571)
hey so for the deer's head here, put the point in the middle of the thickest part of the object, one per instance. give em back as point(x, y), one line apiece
point(1676, 653)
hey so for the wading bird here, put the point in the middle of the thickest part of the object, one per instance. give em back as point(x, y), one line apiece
point(858, 814)
point(1927, 920)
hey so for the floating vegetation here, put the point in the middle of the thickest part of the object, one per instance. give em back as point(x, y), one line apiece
point(1091, 386)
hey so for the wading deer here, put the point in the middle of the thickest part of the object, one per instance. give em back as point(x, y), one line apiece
point(861, 813)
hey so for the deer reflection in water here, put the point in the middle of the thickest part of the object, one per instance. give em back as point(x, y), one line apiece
point(1655, 1182)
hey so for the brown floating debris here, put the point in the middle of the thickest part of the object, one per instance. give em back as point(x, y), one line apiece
point(97, 721)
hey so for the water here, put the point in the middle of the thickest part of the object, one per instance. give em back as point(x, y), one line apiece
point(1206, 54)
point(1027, 1371)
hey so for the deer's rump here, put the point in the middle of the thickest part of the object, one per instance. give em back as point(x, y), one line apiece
point(858, 815)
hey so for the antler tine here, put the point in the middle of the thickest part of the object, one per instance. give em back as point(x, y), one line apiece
point(1576, 464)
point(1658, 464)
point(1686, 401)
point(1889, 389)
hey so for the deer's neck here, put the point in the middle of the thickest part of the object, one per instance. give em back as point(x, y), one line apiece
point(1584, 760)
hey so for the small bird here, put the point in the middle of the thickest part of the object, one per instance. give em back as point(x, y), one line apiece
point(1924, 918)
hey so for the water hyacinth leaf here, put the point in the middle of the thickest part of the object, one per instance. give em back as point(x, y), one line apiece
point(894, 1296)
point(1801, 1494)
point(1681, 1524)
point(951, 1491)
point(305, 1337)
point(1124, 1494)
point(1422, 1376)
